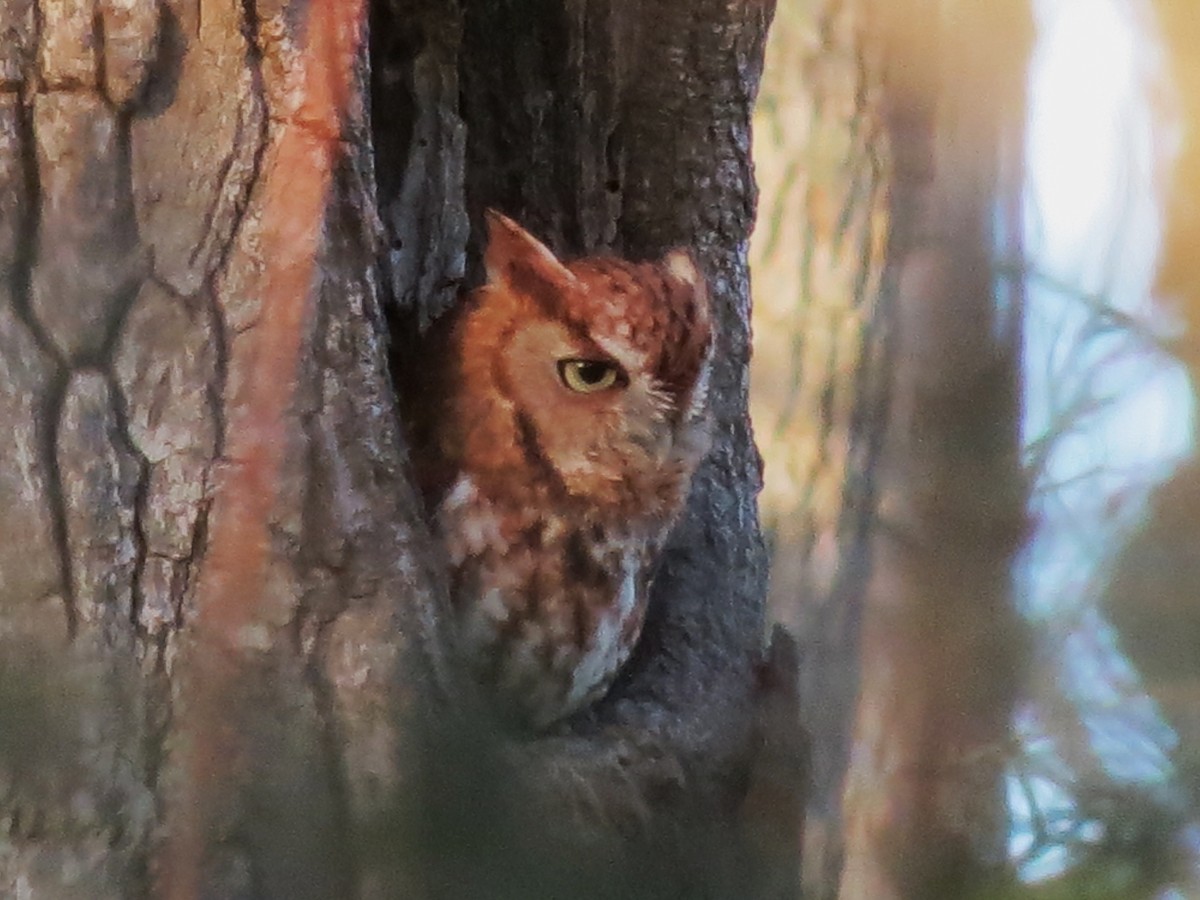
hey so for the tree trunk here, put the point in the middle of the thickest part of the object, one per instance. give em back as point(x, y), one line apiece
point(608, 128)
point(941, 649)
point(211, 546)
point(1150, 598)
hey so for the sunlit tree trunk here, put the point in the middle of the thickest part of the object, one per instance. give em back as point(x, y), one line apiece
point(941, 649)
point(820, 351)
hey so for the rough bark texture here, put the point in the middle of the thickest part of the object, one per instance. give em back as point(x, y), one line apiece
point(637, 138)
point(633, 128)
point(143, 154)
point(132, 188)
point(604, 127)
point(941, 651)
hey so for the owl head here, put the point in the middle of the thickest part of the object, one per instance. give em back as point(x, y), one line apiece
point(587, 378)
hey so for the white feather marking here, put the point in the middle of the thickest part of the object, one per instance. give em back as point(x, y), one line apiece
point(680, 264)
point(460, 495)
point(698, 401)
point(468, 522)
point(606, 652)
point(631, 359)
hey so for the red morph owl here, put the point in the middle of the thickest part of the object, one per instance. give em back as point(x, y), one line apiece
point(564, 414)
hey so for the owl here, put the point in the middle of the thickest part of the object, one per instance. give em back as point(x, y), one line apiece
point(564, 414)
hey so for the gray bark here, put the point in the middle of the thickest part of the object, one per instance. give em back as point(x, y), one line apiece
point(604, 128)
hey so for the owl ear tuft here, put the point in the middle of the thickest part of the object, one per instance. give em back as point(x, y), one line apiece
point(514, 258)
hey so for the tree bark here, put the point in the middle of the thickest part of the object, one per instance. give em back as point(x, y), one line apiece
point(211, 543)
point(147, 142)
point(608, 128)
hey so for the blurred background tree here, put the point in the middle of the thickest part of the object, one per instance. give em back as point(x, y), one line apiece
point(822, 162)
point(1036, 382)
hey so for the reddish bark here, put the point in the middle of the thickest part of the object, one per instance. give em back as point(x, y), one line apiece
point(297, 173)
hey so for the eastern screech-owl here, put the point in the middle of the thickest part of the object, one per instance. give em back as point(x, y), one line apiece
point(565, 415)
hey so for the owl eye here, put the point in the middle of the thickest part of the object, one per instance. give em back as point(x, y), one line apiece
point(587, 376)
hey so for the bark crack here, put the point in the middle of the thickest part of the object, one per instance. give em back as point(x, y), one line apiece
point(140, 498)
point(50, 406)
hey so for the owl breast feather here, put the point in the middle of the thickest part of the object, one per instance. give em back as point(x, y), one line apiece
point(548, 609)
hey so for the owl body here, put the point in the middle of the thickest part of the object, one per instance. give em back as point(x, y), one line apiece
point(569, 415)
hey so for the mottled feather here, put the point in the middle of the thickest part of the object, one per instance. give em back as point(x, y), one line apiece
point(553, 496)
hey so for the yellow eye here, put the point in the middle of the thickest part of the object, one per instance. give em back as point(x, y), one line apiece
point(587, 376)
